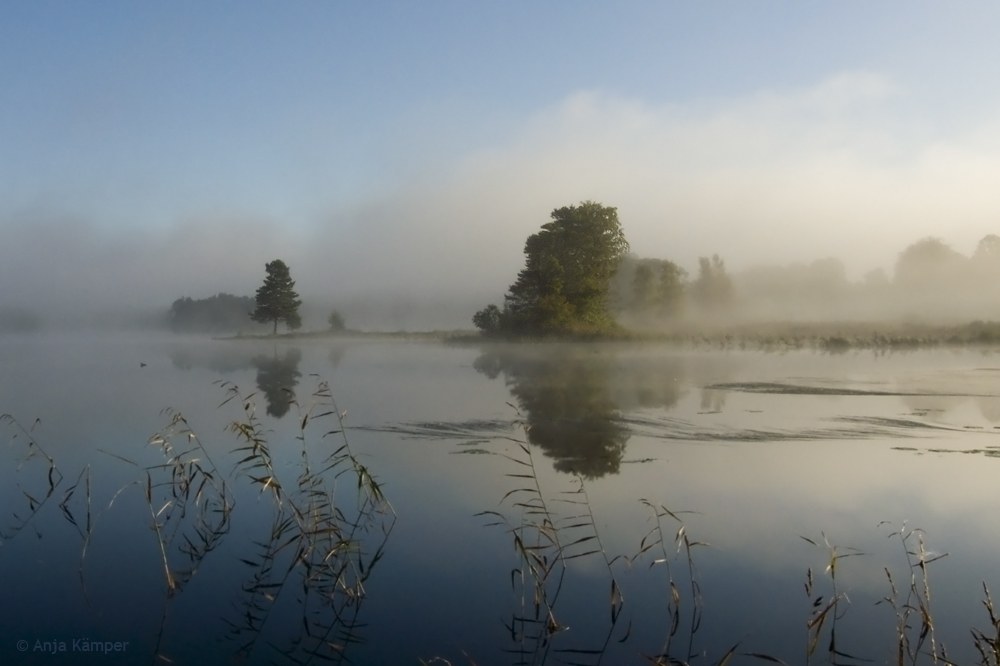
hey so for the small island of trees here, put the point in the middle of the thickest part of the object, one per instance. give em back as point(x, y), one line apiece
point(563, 287)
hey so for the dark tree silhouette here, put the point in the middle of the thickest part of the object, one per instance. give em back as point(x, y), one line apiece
point(567, 405)
point(222, 312)
point(336, 321)
point(276, 299)
point(277, 378)
point(573, 399)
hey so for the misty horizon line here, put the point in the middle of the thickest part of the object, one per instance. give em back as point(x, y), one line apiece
point(928, 272)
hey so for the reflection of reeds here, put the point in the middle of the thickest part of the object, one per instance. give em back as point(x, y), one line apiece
point(914, 621)
point(546, 540)
point(190, 508)
point(189, 502)
point(329, 525)
point(43, 481)
point(987, 645)
point(655, 539)
point(826, 609)
point(86, 530)
point(317, 537)
point(44, 477)
point(542, 558)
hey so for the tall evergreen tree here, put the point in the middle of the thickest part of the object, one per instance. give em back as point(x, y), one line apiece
point(276, 298)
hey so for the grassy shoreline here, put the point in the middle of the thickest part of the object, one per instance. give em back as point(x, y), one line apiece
point(430, 336)
point(825, 336)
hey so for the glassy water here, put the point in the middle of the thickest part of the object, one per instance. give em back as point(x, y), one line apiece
point(534, 499)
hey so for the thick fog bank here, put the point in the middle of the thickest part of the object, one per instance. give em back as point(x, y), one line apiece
point(930, 283)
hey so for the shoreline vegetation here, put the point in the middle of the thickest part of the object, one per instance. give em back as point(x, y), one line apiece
point(767, 336)
point(582, 283)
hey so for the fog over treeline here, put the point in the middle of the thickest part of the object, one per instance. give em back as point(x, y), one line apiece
point(929, 283)
point(67, 274)
point(770, 181)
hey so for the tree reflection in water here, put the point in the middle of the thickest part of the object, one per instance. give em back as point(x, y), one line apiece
point(573, 398)
point(277, 378)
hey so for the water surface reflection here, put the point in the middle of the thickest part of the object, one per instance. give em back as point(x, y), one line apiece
point(565, 397)
point(764, 447)
point(277, 377)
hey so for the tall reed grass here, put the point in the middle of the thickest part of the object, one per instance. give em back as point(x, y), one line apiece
point(329, 524)
point(326, 523)
point(550, 528)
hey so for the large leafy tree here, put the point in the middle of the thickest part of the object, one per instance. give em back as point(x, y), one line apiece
point(564, 284)
point(276, 298)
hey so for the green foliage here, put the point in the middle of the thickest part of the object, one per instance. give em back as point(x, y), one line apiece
point(222, 312)
point(336, 321)
point(563, 287)
point(276, 298)
point(487, 320)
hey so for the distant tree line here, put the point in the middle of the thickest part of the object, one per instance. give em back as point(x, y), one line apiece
point(930, 281)
point(579, 278)
point(275, 302)
point(645, 290)
point(215, 314)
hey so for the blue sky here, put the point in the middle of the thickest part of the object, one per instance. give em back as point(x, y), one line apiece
point(400, 148)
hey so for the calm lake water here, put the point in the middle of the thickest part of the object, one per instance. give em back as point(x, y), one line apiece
point(578, 450)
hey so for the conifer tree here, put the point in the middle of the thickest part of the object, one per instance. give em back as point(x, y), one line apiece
point(276, 298)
